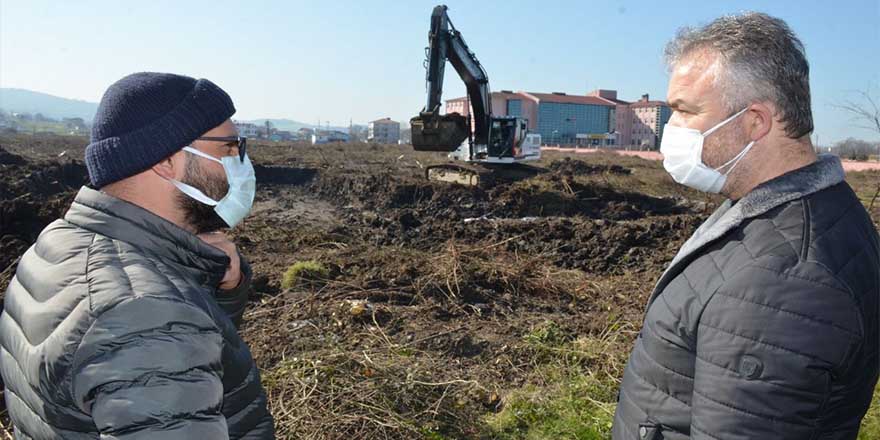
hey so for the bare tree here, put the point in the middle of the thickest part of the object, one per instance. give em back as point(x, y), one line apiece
point(865, 111)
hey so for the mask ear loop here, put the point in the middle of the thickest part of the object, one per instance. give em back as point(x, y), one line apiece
point(741, 153)
point(722, 123)
point(194, 193)
point(191, 190)
point(191, 150)
point(736, 158)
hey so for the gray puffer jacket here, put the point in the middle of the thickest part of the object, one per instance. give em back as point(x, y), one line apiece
point(111, 330)
point(765, 324)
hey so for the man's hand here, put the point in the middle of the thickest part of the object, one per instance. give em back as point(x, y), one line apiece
point(233, 272)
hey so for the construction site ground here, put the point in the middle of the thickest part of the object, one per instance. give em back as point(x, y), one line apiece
point(420, 309)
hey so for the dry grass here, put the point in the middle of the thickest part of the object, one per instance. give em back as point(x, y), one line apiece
point(460, 341)
point(375, 381)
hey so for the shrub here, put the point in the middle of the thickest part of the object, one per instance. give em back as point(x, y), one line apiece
point(304, 271)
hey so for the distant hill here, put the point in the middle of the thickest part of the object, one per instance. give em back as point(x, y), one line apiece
point(26, 101)
point(291, 125)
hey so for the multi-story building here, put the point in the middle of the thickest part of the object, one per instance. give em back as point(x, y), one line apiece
point(623, 115)
point(557, 117)
point(596, 119)
point(384, 131)
point(504, 103)
point(649, 117)
point(575, 119)
point(247, 129)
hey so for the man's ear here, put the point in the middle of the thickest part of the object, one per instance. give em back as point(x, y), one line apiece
point(168, 167)
point(760, 121)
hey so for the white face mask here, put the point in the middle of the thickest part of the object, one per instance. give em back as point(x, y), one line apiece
point(239, 199)
point(682, 150)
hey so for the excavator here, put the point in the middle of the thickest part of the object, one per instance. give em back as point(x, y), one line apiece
point(495, 147)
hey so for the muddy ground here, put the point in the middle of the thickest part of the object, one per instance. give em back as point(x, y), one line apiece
point(421, 325)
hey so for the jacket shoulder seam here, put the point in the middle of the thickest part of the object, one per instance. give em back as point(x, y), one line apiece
point(795, 314)
point(88, 266)
point(805, 235)
point(88, 271)
point(786, 273)
point(769, 344)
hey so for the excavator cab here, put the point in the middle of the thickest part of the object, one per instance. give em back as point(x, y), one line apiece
point(503, 137)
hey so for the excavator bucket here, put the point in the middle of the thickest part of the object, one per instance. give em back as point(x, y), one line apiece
point(438, 132)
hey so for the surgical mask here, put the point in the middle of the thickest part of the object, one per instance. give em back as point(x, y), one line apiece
point(239, 199)
point(682, 150)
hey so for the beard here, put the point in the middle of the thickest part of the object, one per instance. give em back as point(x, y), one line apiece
point(725, 144)
point(198, 215)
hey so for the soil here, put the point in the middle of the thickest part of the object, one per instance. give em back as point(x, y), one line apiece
point(458, 275)
point(32, 194)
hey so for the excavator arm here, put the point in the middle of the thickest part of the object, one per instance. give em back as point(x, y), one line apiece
point(432, 131)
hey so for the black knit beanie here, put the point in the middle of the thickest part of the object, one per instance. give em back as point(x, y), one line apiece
point(146, 117)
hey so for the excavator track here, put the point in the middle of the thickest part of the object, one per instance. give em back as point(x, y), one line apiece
point(481, 174)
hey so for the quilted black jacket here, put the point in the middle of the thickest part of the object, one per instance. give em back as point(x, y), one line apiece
point(765, 325)
point(111, 330)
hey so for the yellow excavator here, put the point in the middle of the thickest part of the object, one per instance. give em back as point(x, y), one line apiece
point(496, 146)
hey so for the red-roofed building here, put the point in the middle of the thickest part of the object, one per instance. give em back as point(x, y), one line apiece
point(623, 115)
point(598, 118)
point(649, 117)
point(559, 118)
point(504, 103)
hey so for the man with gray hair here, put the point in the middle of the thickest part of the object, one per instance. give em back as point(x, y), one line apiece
point(765, 324)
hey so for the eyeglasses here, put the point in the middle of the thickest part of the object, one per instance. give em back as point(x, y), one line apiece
point(239, 142)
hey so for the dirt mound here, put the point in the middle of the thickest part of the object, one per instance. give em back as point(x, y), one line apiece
point(571, 221)
point(594, 246)
point(42, 179)
point(7, 158)
point(556, 195)
point(282, 175)
point(32, 195)
point(571, 166)
point(545, 196)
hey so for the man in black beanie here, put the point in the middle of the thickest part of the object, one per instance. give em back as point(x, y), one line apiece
point(121, 319)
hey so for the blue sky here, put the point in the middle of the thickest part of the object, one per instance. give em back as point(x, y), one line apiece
point(340, 60)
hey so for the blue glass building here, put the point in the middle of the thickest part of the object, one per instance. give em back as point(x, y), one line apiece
point(561, 118)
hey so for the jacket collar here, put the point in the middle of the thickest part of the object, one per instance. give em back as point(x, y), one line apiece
point(826, 172)
point(120, 220)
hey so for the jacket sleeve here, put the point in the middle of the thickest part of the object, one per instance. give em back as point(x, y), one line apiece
point(768, 347)
point(151, 368)
point(234, 301)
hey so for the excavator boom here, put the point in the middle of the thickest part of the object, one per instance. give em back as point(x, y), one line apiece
point(432, 131)
point(497, 143)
